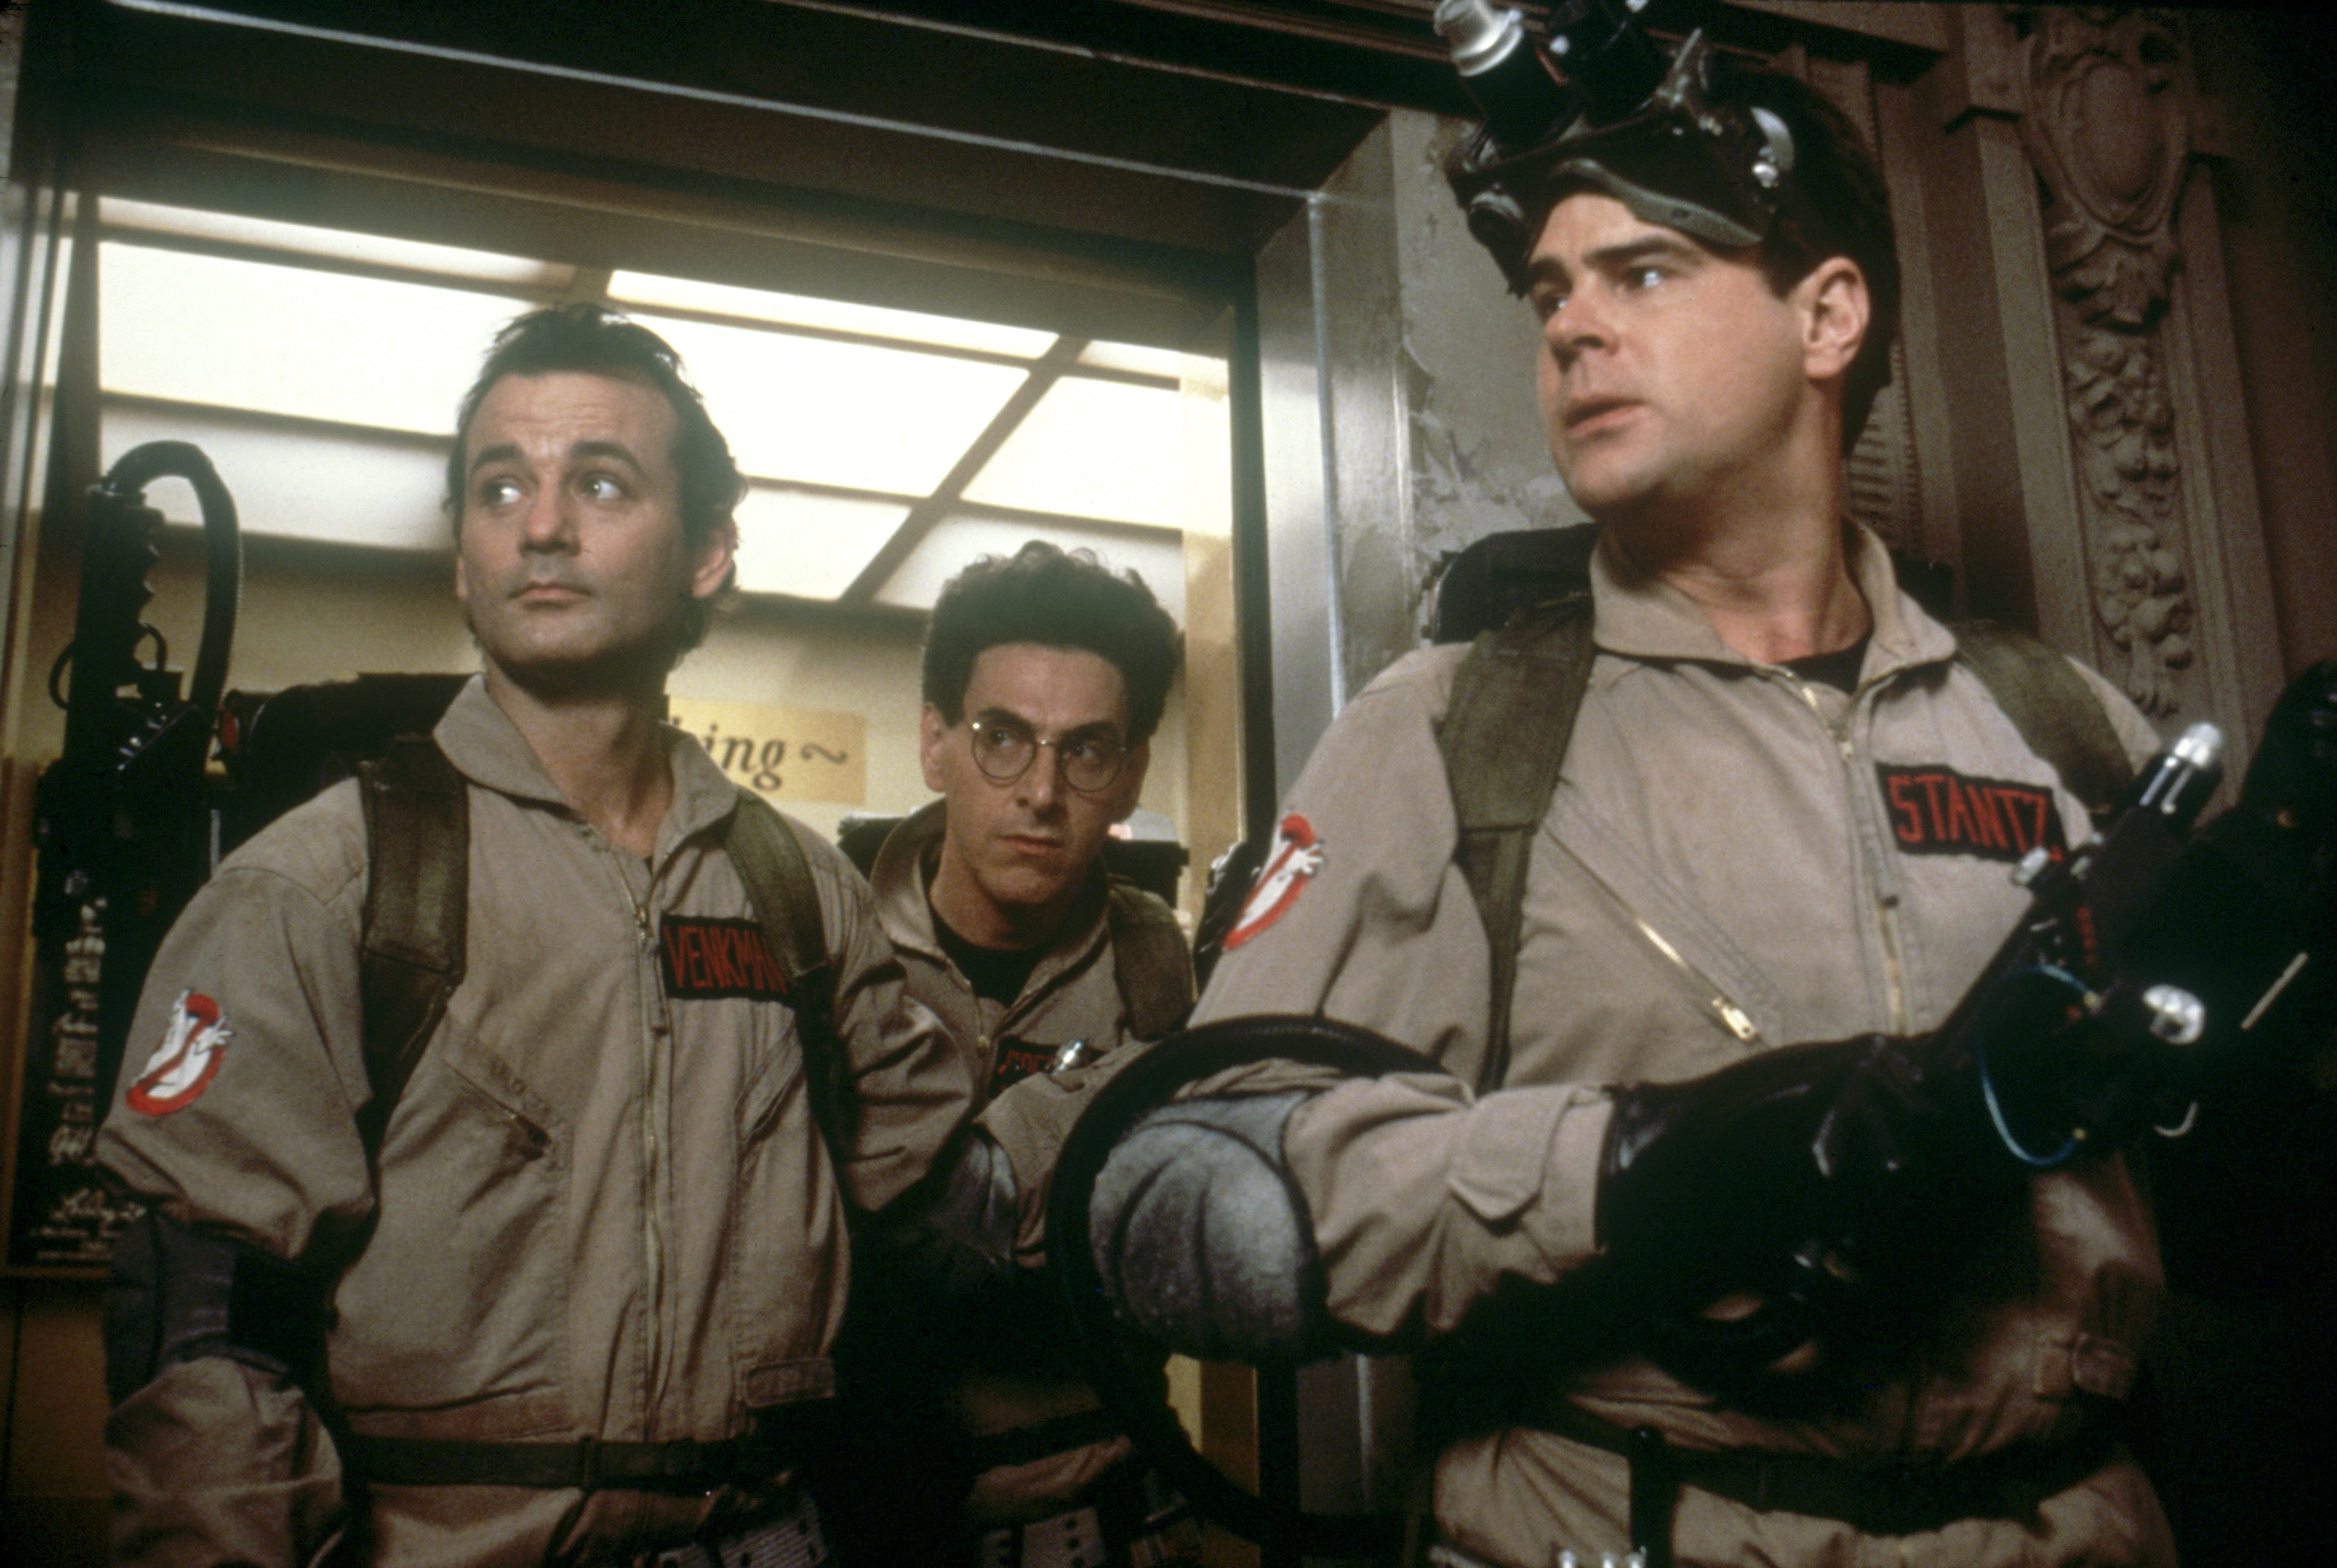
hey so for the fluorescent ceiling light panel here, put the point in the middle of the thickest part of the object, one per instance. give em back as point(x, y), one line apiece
point(843, 414)
point(958, 539)
point(807, 544)
point(1094, 449)
point(378, 490)
point(338, 244)
point(289, 340)
point(835, 315)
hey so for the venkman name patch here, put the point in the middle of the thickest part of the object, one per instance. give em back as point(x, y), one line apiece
point(706, 956)
point(1937, 810)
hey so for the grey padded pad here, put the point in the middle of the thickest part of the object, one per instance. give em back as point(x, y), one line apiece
point(1202, 1241)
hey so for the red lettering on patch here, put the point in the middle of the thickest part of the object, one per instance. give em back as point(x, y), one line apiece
point(1291, 862)
point(193, 1044)
point(1016, 1062)
point(1938, 811)
point(706, 956)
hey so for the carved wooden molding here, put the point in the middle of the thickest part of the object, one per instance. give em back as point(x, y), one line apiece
point(2109, 135)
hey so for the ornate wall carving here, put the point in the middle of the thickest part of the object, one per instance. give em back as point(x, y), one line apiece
point(2109, 137)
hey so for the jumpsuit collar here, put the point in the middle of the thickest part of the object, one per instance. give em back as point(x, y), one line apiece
point(904, 867)
point(486, 747)
point(1640, 616)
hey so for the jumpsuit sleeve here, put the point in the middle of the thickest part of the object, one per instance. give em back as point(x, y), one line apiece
point(236, 1113)
point(1422, 1196)
point(1029, 1122)
point(911, 1088)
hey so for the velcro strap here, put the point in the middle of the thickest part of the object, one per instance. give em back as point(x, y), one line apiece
point(1887, 1499)
point(784, 1438)
point(1022, 1444)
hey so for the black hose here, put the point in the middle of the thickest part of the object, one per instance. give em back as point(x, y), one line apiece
point(222, 547)
point(1133, 1393)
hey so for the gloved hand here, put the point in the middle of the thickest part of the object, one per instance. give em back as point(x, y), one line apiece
point(1713, 1168)
point(1802, 1183)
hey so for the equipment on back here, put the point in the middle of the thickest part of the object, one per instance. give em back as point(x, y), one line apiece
point(1150, 961)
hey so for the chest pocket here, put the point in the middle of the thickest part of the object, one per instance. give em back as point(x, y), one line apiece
point(460, 1297)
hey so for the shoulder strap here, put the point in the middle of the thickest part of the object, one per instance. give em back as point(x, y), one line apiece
point(417, 818)
point(2059, 716)
point(770, 862)
point(1149, 954)
point(1504, 739)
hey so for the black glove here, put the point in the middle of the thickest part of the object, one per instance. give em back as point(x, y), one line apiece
point(1721, 1167)
point(1815, 1180)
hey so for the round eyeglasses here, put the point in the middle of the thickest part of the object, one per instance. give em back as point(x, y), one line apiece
point(1004, 750)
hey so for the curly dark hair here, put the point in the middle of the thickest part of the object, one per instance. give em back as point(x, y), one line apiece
point(598, 341)
point(1057, 599)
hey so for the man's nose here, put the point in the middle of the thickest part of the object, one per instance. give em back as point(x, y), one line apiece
point(549, 523)
point(1042, 781)
point(1579, 325)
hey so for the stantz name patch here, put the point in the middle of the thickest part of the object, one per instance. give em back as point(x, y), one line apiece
point(1291, 862)
point(1936, 811)
point(706, 956)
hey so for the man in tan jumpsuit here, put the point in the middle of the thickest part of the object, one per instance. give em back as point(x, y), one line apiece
point(580, 1306)
point(1045, 675)
point(1786, 814)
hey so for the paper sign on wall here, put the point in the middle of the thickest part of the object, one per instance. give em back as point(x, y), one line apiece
point(781, 754)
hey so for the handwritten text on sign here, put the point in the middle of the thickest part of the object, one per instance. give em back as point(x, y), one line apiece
point(781, 754)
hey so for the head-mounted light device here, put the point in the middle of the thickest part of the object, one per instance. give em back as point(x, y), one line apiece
point(1600, 107)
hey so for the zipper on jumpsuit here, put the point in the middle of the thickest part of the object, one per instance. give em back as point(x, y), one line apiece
point(652, 1232)
point(1894, 978)
point(1716, 1002)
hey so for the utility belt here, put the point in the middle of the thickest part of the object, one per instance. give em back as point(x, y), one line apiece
point(1126, 1517)
point(1888, 1499)
point(782, 1437)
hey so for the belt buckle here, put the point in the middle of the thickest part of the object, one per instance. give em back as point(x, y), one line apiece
point(1073, 1540)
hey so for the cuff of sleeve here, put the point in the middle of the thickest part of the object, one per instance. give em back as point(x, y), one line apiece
point(1530, 1158)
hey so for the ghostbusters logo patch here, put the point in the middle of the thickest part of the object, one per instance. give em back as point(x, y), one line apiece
point(1938, 811)
point(183, 1065)
point(1291, 862)
point(704, 956)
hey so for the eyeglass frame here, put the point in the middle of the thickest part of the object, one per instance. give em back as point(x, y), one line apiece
point(976, 722)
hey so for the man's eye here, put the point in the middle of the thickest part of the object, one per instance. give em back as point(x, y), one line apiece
point(1091, 750)
point(498, 492)
point(1546, 306)
point(602, 488)
point(1642, 278)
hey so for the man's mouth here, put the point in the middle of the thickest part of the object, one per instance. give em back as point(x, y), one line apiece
point(548, 593)
point(1583, 412)
point(1034, 843)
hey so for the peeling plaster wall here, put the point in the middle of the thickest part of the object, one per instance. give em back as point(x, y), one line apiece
point(1399, 418)
point(1478, 462)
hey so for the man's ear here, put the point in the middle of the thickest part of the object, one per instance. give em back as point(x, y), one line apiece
point(715, 554)
point(462, 580)
point(1130, 785)
point(1835, 310)
point(931, 730)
